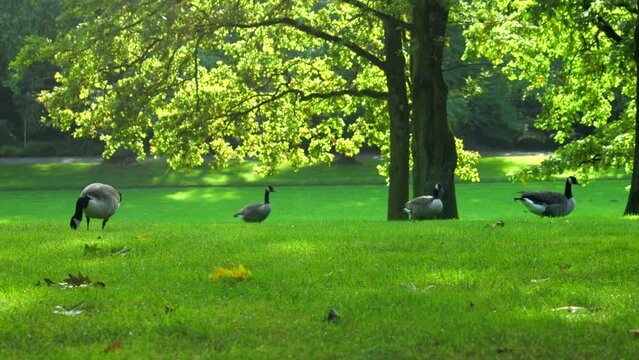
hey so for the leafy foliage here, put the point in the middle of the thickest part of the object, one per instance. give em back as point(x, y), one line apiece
point(24, 28)
point(278, 81)
point(578, 60)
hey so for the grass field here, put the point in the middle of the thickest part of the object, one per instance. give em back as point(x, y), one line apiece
point(442, 289)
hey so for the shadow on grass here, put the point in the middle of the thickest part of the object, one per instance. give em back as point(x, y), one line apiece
point(56, 176)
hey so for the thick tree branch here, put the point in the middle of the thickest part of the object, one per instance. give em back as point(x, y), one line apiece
point(153, 12)
point(310, 30)
point(604, 26)
point(196, 71)
point(381, 95)
point(463, 65)
point(383, 16)
point(307, 97)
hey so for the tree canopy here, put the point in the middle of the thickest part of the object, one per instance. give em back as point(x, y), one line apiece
point(278, 81)
point(577, 57)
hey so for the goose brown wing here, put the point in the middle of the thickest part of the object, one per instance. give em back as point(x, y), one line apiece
point(98, 190)
point(248, 209)
point(545, 197)
point(419, 202)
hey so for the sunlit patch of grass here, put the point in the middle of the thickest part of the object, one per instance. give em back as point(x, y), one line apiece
point(76, 176)
point(442, 289)
point(294, 248)
point(452, 289)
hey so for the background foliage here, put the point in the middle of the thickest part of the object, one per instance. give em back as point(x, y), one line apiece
point(485, 110)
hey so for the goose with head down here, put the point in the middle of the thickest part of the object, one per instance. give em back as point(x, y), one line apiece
point(97, 201)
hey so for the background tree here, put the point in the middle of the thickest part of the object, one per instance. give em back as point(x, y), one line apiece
point(274, 80)
point(580, 60)
point(19, 20)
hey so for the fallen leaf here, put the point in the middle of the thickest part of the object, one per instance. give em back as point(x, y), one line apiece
point(90, 249)
point(95, 250)
point(499, 223)
point(573, 309)
point(335, 271)
point(114, 346)
point(120, 252)
point(74, 281)
point(536, 281)
point(413, 287)
point(74, 311)
point(238, 273)
point(142, 237)
point(634, 332)
point(564, 266)
point(333, 316)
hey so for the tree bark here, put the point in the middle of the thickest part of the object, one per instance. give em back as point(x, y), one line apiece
point(632, 207)
point(434, 152)
point(398, 110)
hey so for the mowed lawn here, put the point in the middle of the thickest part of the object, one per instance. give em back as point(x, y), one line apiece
point(466, 288)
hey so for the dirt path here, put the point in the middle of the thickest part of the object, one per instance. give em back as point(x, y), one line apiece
point(49, 160)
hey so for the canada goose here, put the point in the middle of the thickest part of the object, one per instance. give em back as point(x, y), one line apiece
point(426, 207)
point(550, 203)
point(257, 212)
point(99, 201)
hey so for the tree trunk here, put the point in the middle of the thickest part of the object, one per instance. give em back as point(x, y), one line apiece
point(632, 207)
point(24, 134)
point(434, 152)
point(398, 110)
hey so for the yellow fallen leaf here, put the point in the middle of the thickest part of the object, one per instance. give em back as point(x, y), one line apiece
point(237, 273)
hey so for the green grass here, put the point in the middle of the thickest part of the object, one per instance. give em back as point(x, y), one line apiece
point(438, 289)
point(155, 174)
point(56, 176)
point(473, 293)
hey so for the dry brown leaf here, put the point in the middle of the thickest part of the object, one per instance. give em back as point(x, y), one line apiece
point(114, 346)
point(74, 281)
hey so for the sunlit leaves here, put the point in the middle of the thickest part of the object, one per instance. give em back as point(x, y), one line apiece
point(578, 58)
point(198, 80)
point(466, 163)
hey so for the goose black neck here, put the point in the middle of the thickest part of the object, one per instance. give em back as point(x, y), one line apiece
point(80, 205)
point(266, 196)
point(436, 194)
point(568, 190)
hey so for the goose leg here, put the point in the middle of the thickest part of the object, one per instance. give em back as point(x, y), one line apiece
point(104, 222)
point(88, 219)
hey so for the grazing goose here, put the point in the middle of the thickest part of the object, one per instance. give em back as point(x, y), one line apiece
point(257, 212)
point(99, 201)
point(550, 203)
point(426, 207)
